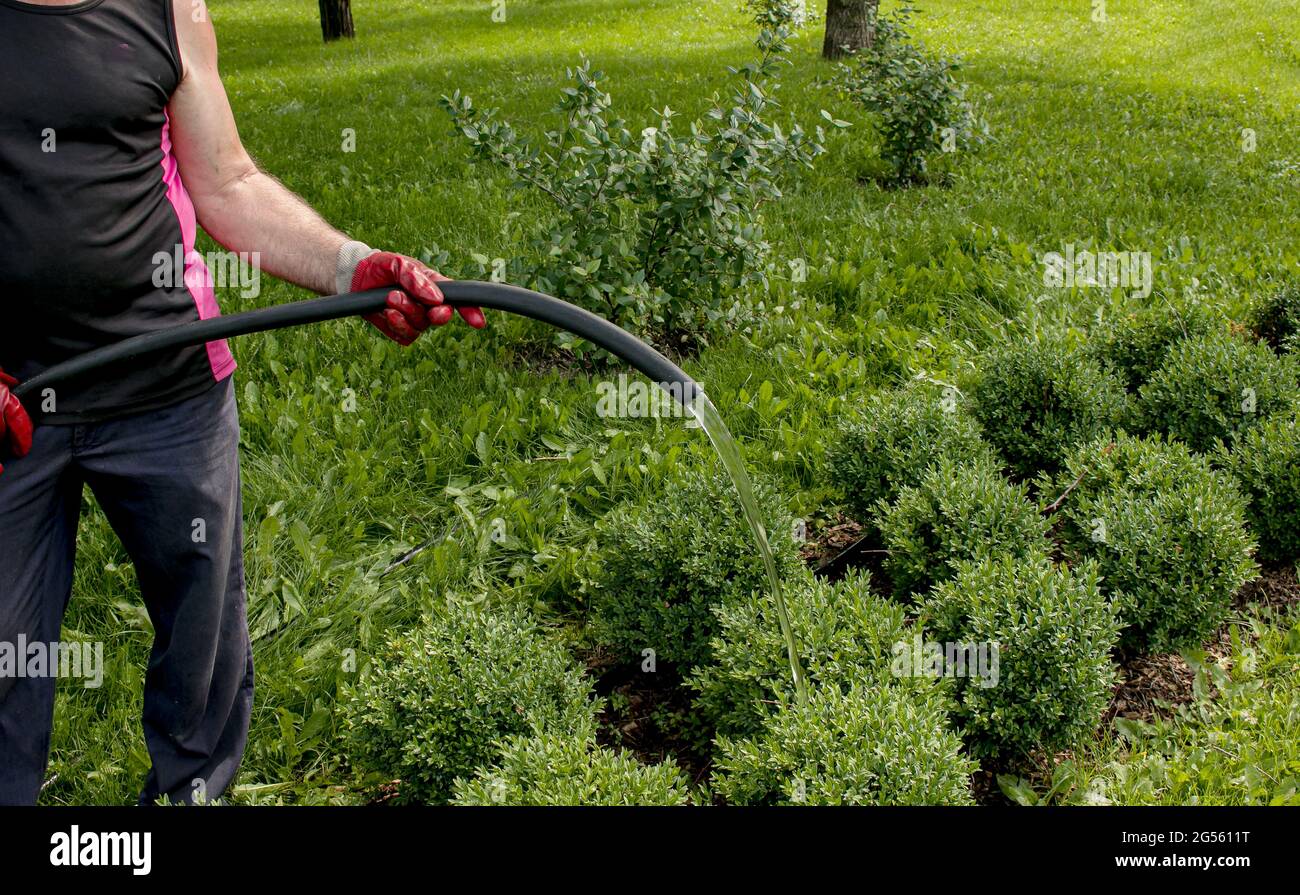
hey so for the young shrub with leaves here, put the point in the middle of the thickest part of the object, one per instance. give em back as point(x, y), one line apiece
point(1215, 388)
point(1054, 632)
point(1275, 318)
point(654, 229)
point(1036, 400)
point(891, 442)
point(919, 106)
point(663, 566)
point(865, 745)
point(845, 633)
point(570, 769)
point(1167, 532)
point(435, 704)
point(957, 513)
point(1266, 461)
point(1135, 345)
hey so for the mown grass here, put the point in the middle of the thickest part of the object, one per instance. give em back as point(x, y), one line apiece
point(1126, 135)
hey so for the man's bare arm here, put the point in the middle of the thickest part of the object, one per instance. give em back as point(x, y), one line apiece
point(247, 210)
point(238, 204)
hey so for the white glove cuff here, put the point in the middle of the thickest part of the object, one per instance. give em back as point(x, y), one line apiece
point(345, 266)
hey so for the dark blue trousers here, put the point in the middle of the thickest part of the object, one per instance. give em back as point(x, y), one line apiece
point(168, 481)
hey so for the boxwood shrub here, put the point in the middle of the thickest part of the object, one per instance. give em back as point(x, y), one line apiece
point(957, 513)
point(893, 439)
point(664, 564)
point(867, 745)
point(434, 705)
point(1134, 345)
point(846, 635)
point(1266, 462)
point(1215, 388)
point(1054, 632)
point(1167, 532)
point(570, 769)
point(1035, 400)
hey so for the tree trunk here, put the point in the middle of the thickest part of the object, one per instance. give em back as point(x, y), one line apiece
point(336, 19)
point(850, 24)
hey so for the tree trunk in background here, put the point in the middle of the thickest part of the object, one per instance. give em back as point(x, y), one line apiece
point(849, 23)
point(336, 19)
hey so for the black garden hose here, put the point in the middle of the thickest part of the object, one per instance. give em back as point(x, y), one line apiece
point(494, 296)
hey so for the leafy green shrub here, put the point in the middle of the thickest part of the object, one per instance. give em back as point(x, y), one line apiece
point(919, 106)
point(1054, 632)
point(845, 633)
point(1275, 318)
point(570, 769)
point(957, 513)
point(1036, 400)
point(656, 227)
point(1135, 345)
point(1167, 532)
point(1266, 461)
point(663, 565)
point(894, 439)
point(1215, 387)
point(867, 745)
point(434, 705)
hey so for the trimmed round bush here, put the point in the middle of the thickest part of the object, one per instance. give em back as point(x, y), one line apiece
point(437, 701)
point(1135, 345)
point(845, 633)
point(868, 745)
point(894, 439)
point(1275, 318)
point(1266, 462)
point(1053, 630)
point(570, 769)
point(957, 513)
point(1036, 400)
point(663, 565)
point(1167, 532)
point(1215, 388)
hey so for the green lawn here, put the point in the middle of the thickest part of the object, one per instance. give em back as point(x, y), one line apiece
point(1125, 135)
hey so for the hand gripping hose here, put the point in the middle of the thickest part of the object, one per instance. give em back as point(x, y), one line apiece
point(494, 296)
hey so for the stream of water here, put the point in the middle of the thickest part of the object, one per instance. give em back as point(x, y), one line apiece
point(729, 452)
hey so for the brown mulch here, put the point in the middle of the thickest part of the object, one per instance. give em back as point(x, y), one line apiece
point(1276, 588)
point(984, 788)
point(1149, 687)
point(828, 538)
point(837, 544)
point(544, 357)
point(640, 711)
point(1152, 686)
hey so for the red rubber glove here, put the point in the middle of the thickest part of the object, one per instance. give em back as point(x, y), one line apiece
point(15, 425)
point(413, 307)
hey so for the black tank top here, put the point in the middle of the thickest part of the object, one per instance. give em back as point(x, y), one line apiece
point(91, 201)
